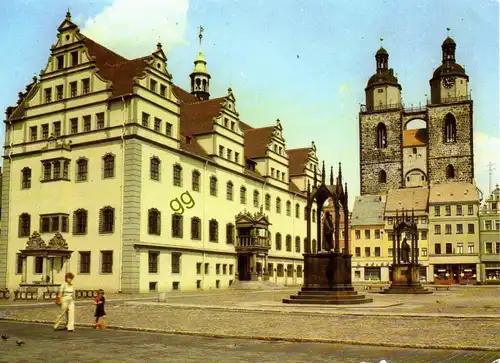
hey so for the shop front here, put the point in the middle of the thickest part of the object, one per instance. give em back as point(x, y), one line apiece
point(463, 274)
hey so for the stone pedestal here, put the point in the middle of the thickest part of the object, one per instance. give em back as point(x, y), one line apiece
point(327, 281)
point(406, 280)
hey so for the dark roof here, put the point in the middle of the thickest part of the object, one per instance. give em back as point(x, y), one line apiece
point(297, 160)
point(381, 51)
point(382, 78)
point(455, 69)
point(197, 118)
point(256, 141)
point(449, 41)
point(184, 96)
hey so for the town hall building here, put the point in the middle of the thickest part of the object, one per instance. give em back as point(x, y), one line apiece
point(113, 172)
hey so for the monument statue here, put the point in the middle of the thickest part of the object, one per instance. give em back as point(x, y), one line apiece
point(328, 228)
point(405, 251)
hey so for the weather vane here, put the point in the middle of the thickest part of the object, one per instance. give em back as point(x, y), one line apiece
point(448, 31)
point(381, 41)
point(201, 35)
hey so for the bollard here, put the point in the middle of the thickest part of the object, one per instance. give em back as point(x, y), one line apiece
point(162, 297)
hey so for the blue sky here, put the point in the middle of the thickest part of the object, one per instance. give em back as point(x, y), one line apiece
point(305, 62)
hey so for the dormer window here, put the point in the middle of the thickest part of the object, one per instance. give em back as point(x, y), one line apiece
point(74, 58)
point(237, 157)
point(275, 148)
point(272, 172)
point(48, 95)
point(221, 150)
point(277, 174)
point(163, 90)
point(229, 154)
point(152, 85)
point(280, 150)
point(226, 121)
point(60, 62)
point(232, 125)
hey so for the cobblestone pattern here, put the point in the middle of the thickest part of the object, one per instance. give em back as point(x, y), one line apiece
point(371, 330)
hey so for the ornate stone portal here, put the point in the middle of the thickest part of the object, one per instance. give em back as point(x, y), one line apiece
point(56, 250)
point(405, 266)
point(327, 273)
point(253, 242)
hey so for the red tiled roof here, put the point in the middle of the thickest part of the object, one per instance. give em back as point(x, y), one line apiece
point(414, 137)
point(114, 68)
point(184, 96)
point(192, 146)
point(256, 141)
point(197, 118)
point(297, 159)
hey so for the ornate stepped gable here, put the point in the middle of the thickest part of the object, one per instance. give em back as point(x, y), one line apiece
point(35, 242)
point(197, 117)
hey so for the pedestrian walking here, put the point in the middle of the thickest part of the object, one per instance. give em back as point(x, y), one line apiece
point(99, 302)
point(66, 298)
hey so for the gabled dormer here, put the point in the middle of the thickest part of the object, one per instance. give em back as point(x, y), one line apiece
point(303, 165)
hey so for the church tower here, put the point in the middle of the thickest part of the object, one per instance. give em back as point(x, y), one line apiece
point(450, 143)
point(200, 79)
point(380, 129)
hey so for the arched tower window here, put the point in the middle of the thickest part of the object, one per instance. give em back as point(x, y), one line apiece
point(382, 176)
point(450, 172)
point(381, 136)
point(450, 128)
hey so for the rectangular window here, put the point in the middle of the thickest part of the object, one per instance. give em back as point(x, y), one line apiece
point(163, 90)
point(59, 92)
point(74, 58)
point(449, 249)
point(280, 270)
point(107, 262)
point(497, 247)
point(460, 229)
point(84, 262)
point(488, 225)
point(74, 125)
point(423, 235)
point(145, 119)
point(217, 269)
point(48, 95)
point(460, 248)
point(236, 157)
point(85, 86)
point(176, 263)
point(437, 210)
point(60, 62)
point(157, 124)
point(447, 228)
point(447, 210)
point(489, 247)
point(168, 129)
point(152, 85)
point(470, 209)
point(86, 123)
point(437, 248)
point(207, 268)
point(231, 270)
point(470, 247)
point(19, 264)
point(57, 128)
point(54, 223)
point(100, 120)
point(367, 234)
point(470, 228)
point(33, 133)
point(153, 258)
point(389, 252)
point(377, 234)
point(367, 251)
point(224, 269)
point(459, 210)
point(73, 89)
point(377, 251)
point(358, 234)
point(437, 229)
point(198, 268)
point(221, 150)
point(38, 265)
point(289, 270)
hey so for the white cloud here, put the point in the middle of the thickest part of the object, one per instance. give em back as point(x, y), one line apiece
point(486, 150)
point(132, 28)
point(344, 88)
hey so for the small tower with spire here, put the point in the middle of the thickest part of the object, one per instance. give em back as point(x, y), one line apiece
point(200, 79)
point(383, 90)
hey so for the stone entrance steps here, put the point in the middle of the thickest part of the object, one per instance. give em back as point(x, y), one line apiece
point(317, 296)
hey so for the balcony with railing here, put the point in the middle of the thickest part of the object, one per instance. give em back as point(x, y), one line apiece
point(452, 100)
point(249, 242)
point(389, 107)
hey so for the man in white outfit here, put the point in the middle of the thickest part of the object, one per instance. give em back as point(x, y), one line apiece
point(66, 298)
